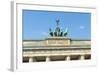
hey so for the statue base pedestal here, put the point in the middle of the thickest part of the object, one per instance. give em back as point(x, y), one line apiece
point(58, 41)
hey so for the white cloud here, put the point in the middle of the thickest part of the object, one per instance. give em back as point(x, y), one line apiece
point(81, 27)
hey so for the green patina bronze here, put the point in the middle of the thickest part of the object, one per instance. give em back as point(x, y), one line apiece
point(58, 32)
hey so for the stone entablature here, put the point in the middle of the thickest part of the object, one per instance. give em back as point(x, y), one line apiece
point(56, 52)
point(57, 42)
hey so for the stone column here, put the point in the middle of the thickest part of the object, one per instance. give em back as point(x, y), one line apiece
point(82, 57)
point(67, 58)
point(30, 59)
point(47, 58)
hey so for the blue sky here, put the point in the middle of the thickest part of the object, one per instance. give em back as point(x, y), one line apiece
point(36, 24)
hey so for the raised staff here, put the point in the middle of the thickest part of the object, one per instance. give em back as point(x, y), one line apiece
point(57, 21)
